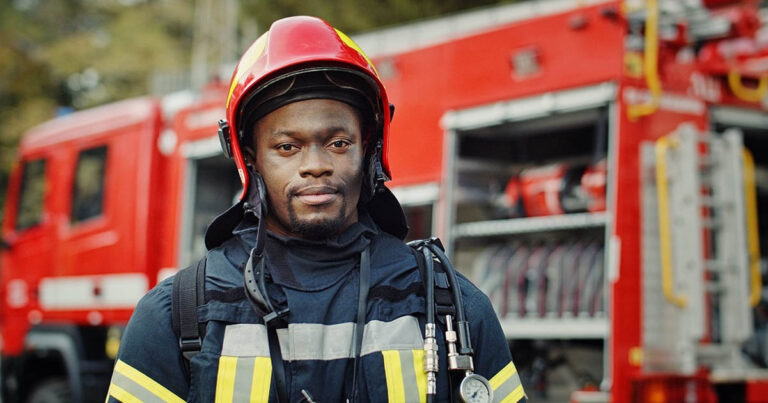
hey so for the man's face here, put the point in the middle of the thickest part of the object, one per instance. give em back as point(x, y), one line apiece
point(310, 154)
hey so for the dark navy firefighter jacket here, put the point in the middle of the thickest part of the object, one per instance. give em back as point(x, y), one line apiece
point(321, 291)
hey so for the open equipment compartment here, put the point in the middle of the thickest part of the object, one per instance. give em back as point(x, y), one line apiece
point(527, 210)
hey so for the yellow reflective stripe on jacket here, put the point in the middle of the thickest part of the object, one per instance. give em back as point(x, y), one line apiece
point(404, 371)
point(506, 385)
point(130, 385)
point(225, 380)
point(262, 376)
point(121, 394)
point(243, 379)
point(421, 375)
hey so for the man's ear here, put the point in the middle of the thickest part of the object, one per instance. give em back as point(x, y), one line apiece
point(249, 155)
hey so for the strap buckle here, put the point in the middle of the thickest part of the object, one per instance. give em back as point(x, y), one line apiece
point(187, 345)
point(276, 316)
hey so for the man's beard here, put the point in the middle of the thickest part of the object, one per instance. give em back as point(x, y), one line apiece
point(317, 230)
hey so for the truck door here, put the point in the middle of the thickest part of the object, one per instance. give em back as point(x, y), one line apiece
point(29, 240)
point(100, 221)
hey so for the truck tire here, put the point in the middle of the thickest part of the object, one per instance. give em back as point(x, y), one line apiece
point(54, 390)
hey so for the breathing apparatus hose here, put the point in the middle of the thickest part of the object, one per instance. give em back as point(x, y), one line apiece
point(430, 280)
point(465, 344)
point(430, 335)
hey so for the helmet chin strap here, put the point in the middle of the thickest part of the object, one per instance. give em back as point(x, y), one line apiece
point(374, 175)
point(254, 272)
point(256, 204)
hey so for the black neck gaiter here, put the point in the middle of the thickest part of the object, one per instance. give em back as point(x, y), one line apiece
point(313, 265)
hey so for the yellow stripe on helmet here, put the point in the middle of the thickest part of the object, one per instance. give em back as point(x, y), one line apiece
point(249, 59)
point(349, 42)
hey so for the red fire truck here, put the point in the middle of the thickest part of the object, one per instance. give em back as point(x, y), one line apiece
point(598, 167)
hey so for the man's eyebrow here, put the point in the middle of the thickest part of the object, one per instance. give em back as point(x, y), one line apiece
point(280, 133)
point(327, 131)
point(336, 129)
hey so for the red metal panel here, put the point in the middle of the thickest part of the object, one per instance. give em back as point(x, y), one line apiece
point(118, 241)
point(31, 250)
point(757, 390)
point(626, 301)
point(477, 70)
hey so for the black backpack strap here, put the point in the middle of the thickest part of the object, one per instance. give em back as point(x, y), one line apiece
point(443, 296)
point(188, 293)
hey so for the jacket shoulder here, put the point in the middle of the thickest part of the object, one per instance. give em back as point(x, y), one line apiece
point(149, 354)
point(391, 254)
point(225, 263)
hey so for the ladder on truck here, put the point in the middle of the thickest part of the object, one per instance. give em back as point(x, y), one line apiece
point(700, 251)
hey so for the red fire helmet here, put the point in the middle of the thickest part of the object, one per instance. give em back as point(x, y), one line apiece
point(303, 58)
point(278, 61)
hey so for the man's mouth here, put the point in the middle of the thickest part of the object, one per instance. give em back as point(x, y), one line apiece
point(316, 195)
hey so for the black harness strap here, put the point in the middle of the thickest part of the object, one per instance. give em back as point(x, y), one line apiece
point(443, 295)
point(362, 309)
point(278, 366)
point(188, 293)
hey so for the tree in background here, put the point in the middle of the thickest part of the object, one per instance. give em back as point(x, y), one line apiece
point(353, 16)
point(60, 55)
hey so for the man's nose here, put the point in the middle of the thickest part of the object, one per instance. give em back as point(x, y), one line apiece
point(315, 161)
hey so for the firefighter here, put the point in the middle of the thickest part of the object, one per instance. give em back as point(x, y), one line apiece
point(310, 294)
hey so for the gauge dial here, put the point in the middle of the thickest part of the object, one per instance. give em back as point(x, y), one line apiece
point(475, 389)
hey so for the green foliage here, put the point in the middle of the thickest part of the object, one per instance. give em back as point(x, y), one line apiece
point(352, 16)
point(81, 53)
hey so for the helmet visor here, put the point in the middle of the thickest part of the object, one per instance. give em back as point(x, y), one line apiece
point(342, 85)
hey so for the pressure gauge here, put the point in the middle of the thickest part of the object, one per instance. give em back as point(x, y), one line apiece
point(475, 389)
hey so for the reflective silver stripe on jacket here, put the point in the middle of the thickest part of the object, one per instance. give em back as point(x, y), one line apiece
point(130, 385)
point(245, 340)
point(312, 341)
point(506, 385)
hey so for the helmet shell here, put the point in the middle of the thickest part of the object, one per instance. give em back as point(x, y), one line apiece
point(291, 44)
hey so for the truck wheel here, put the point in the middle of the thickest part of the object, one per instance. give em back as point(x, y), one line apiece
point(55, 390)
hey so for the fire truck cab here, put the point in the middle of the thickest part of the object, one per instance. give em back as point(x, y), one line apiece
point(599, 168)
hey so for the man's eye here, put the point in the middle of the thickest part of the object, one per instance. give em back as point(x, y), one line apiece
point(339, 144)
point(285, 147)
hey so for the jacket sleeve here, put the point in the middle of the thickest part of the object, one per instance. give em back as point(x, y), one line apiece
point(149, 365)
point(492, 357)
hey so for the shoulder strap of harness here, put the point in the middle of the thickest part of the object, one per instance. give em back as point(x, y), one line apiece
point(188, 293)
point(443, 301)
